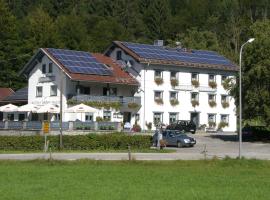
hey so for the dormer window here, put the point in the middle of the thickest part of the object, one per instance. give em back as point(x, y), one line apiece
point(44, 69)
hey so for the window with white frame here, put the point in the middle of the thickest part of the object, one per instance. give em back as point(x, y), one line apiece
point(88, 117)
point(157, 118)
point(109, 91)
point(173, 75)
point(39, 91)
point(212, 78)
point(53, 90)
point(44, 71)
point(223, 78)
point(194, 76)
point(173, 117)
point(10, 117)
point(212, 120)
point(158, 95)
point(107, 115)
point(137, 117)
point(224, 99)
point(211, 97)
point(173, 95)
point(224, 118)
point(194, 96)
point(158, 74)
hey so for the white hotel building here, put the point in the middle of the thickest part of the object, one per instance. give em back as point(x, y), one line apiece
point(179, 84)
point(147, 83)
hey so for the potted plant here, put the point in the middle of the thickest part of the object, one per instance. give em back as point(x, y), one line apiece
point(159, 100)
point(159, 80)
point(212, 84)
point(174, 102)
point(195, 83)
point(194, 102)
point(212, 103)
point(174, 82)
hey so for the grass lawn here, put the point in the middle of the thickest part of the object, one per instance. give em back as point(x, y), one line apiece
point(213, 179)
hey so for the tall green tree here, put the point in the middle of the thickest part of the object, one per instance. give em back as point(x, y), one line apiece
point(9, 49)
point(256, 73)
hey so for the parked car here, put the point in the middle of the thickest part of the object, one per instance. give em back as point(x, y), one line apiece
point(174, 138)
point(183, 125)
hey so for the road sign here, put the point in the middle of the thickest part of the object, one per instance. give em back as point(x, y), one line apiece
point(46, 127)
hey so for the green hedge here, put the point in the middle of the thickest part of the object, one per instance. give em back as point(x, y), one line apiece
point(114, 141)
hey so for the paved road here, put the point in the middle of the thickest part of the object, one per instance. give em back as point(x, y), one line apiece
point(216, 145)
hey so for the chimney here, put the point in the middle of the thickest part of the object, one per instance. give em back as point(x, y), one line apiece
point(159, 43)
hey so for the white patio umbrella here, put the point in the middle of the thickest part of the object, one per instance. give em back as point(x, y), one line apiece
point(49, 108)
point(28, 108)
point(9, 108)
point(81, 108)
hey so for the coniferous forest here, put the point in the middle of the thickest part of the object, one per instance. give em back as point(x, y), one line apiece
point(91, 25)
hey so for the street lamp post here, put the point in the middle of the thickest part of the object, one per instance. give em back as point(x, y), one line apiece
point(240, 96)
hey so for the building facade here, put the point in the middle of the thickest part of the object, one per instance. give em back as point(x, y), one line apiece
point(107, 87)
point(179, 84)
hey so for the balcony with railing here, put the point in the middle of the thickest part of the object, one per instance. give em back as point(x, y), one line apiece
point(130, 102)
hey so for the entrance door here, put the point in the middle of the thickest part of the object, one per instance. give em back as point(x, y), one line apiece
point(127, 117)
point(195, 117)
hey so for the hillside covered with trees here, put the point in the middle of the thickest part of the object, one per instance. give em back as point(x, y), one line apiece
point(91, 25)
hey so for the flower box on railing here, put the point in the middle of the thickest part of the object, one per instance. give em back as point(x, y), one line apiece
point(159, 100)
point(194, 103)
point(212, 84)
point(225, 104)
point(174, 82)
point(158, 80)
point(133, 105)
point(195, 83)
point(212, 124)
point(174, 102)
point(212, 103)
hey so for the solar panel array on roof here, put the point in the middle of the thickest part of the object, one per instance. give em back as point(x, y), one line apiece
point(80, 62)
point(173, 54)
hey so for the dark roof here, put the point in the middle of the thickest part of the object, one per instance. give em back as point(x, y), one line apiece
point(20, 95)
point(145, 53)
point(5, 92)
point(117, 74)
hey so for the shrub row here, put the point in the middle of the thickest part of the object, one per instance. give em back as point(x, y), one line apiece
point(113, 141)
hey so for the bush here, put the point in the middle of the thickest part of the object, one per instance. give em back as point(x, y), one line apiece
point(117, 141)
point(136, 128)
